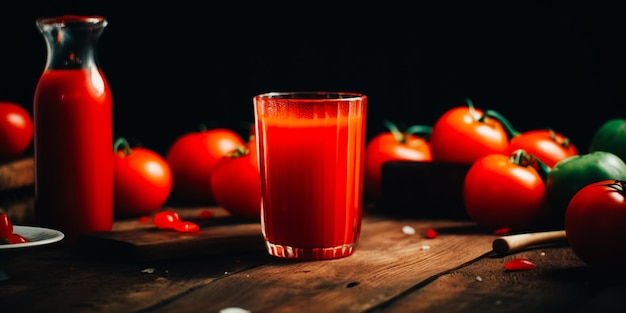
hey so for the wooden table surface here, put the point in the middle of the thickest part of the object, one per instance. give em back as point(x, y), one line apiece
point(137, 268)
point(391, 271)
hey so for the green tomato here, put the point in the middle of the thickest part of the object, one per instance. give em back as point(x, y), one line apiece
point(575, 172)
point(611, 137)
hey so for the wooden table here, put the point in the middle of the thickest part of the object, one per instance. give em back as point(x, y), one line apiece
point(391, 271)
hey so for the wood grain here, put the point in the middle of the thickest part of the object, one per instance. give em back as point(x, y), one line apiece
point(387, 263)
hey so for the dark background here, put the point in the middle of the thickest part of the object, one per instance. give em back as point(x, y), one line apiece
point(173, 65)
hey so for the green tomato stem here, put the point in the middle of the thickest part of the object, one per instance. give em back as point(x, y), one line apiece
point(400, 136)
point(508, 127)
point(121, 141)
point(397, 134)
point(522, 158)
point(422, 130)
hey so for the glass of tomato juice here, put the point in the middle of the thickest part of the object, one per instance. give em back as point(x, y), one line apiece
point(310, 151)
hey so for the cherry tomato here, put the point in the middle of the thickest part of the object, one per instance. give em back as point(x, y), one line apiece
point(193, 156)
point(143, 180)
point(6, 227)
point(464, 134)
point(393, 146)
point(594, 224)
point(166, 219)
point(504, 191)
point(236, 184)
point(16, 130)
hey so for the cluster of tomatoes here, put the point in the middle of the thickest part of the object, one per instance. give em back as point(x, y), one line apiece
point(210, 166)
point(521, 181)
point(203, 167)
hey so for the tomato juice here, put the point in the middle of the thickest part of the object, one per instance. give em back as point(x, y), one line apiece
point(311, 175)
point(73, 151)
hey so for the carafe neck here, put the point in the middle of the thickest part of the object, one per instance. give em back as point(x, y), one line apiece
point(71, 40)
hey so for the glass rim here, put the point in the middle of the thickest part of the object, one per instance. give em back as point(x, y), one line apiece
point(311, 95)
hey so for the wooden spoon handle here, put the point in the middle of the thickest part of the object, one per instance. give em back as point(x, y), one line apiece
point(508, 244)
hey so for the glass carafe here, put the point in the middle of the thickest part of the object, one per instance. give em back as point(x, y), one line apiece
point(73, 130)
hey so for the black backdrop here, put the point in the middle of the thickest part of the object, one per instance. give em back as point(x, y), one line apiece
point(173, 65)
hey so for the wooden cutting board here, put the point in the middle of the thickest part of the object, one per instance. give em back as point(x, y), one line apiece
point(220, 233)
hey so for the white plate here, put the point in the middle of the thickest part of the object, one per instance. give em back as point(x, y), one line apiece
point(37, 237)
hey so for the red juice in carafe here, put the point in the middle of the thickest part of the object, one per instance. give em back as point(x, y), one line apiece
point(312, 180)
point(73, 151)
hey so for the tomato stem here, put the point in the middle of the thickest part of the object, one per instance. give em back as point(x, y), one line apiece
point(238, 152)
point(395, 131)
point(521, 157)
point(121, 141)
point(400, 136)
point(421, 130)
point(472, 111)
point(508, 127)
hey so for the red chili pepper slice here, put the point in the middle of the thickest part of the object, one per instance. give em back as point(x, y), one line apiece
point(519, 264)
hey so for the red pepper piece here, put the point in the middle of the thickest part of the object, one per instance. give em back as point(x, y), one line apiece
point(6, 227)
point(16, 238)
point(205, 214)
point(186, 227)
point(144, 219)
point(166, 219)
point(430, 233)
point(519, 264)
point(501, 231)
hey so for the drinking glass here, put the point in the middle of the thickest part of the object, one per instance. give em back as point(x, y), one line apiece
point(310, 149)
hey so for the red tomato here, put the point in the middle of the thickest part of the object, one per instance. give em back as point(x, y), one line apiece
point(391, 146)
point(464, 134)
point(594, 224)
point(16, 130)
point(192, 158)
point(236, 185)
point(545, 144)
point(142, 183)
point(499, 192)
